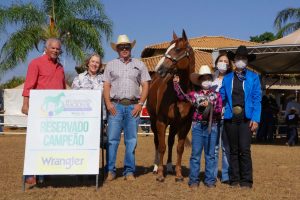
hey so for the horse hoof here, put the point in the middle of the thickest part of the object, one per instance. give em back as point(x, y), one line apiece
point(170, 168)
point(155, 169)
point(179, 179)
point(160, 179)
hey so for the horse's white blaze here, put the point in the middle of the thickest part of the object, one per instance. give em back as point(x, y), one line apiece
point(159, 63)
point(163, 58)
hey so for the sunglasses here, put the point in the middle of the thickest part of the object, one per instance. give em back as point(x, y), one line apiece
point(124, 47)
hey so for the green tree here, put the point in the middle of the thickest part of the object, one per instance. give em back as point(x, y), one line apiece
point(262, 38)
point(287, 21)
point(12, 83)
point(79, 24)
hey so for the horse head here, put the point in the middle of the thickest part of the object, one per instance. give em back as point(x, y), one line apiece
point(179, 56)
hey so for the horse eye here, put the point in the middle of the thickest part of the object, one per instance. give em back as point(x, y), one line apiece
point(177, 49)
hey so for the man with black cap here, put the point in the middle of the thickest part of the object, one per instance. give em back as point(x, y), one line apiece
point(241, 94)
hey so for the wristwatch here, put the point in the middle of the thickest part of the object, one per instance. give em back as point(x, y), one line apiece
point(141, 103)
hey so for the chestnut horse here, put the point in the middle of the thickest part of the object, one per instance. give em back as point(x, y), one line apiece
point(163, 105)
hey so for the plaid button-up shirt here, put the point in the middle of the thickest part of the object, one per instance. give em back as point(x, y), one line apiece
point(125, 79)
point(196, 97)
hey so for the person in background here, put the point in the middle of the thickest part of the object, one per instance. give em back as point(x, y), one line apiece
point(266, 126)
point(241, 94)
point(222, 67)
point(124, 101)
point(207, 112)
point(292, 103)
point(44, 72)
point(145, 120)
point(292, 120)
point(275, 110)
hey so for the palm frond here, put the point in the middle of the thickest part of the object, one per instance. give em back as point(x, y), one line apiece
point(288, 28)
point(22, 14)
point(16, 49)
point(74, 49)
point(82, 33)
point(61, 9)
point(93, 11)
point(80, 24)
point(285, 15)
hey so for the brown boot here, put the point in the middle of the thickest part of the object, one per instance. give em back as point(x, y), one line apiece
point(110, 176)
point(129, 177)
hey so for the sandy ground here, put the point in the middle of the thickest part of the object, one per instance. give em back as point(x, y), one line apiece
point(276, 176)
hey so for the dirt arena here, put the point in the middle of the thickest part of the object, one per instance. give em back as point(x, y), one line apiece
point(276, 176)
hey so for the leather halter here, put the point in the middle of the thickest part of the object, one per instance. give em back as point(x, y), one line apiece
point(176, 59)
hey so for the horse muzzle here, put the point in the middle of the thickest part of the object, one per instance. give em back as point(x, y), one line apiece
point(162, 72)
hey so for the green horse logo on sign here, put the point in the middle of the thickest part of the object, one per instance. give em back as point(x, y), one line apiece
point(52, 104)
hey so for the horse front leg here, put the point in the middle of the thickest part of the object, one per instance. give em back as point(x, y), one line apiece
point(156, 155)
point(180, 149)
point(171, 139)
point(161, 129)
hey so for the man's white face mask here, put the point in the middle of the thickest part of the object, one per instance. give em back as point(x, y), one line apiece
point(222, 67)
point(241, 64)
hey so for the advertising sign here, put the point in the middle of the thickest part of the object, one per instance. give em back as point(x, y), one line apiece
point(63, 132)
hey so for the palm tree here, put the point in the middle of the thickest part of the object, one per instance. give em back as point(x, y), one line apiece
point(287, 21)
point(79, 24)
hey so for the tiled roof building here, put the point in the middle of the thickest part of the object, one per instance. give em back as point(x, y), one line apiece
point(203, 47)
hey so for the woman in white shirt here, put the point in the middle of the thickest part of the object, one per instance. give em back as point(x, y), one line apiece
point(222, 67)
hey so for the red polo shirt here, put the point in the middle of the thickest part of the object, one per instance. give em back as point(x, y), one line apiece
point(43, 73)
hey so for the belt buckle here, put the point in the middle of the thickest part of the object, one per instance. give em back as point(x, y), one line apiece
point(125, 102)
point(237, 110)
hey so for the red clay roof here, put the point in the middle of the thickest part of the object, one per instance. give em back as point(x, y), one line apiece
point(201, 58)
point(207, 43)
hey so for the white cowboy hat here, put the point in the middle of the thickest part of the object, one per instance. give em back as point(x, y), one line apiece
point(195, 77)
point(122, 39)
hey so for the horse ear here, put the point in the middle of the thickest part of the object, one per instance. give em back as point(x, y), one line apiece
point(174, 36)
point(184, 35)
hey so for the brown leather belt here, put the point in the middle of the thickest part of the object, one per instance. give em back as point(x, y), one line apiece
point(125, 102)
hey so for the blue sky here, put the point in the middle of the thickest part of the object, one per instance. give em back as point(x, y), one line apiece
point(153, 21)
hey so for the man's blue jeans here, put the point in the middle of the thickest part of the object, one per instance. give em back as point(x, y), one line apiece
point(123, 120)
point(223, 141)
point(201, 139)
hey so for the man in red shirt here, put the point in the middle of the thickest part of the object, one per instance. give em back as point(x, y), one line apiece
point(44, 72)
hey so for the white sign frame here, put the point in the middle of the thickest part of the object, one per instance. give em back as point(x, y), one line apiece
point(63, 132)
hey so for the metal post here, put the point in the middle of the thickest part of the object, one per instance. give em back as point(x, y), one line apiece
point(23, 183)
point(102, 141)
point(97, 180)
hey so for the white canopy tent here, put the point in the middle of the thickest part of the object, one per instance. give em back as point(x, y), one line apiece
point(13, 102)
point(281, 56)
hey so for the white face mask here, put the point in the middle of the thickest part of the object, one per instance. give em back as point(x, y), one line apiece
point(206, 85)
point(222, 67)
point(241, 64)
